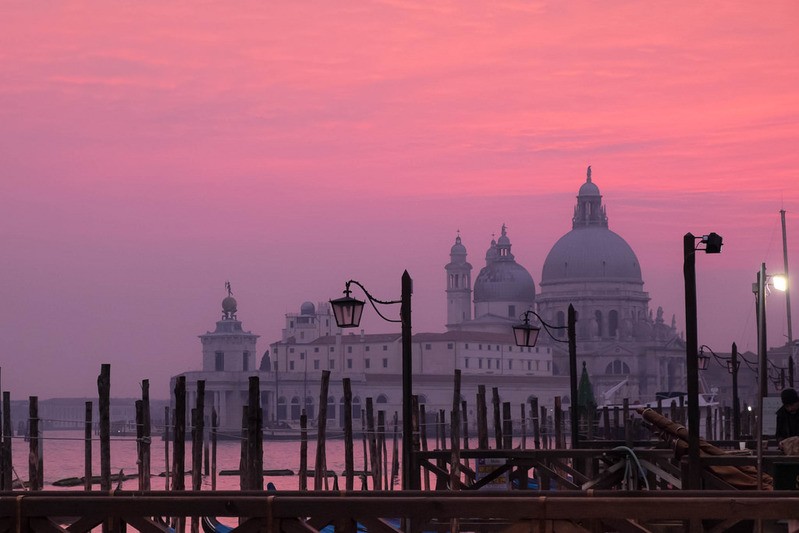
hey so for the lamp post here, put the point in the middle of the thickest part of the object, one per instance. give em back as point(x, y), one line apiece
point(712, 243)
point(348, 311)
point(526, 336)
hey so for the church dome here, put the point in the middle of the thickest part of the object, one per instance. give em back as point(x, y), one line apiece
point(458, 248)
point(503, 279)
point(307, 308)
point(591, 253)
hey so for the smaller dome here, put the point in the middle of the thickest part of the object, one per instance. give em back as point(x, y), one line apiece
point(589, 188)
point(457, 248)
point(307, 308)
point(229, 305)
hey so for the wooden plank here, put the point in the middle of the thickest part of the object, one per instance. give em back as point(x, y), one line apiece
point(44, 525)
point(626, 526)
point(85, 524)
point(146, 525)
point(253, 525)
point(376, 525)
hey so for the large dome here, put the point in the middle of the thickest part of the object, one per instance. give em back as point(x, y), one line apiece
point(504, 281)
point(591, 253)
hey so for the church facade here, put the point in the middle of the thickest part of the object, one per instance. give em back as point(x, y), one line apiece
point(629, 353)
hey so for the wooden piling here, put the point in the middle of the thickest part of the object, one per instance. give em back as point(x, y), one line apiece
point(321, 425)
point(198, 436)
point(255, 436)
point(304, 451)
point(104, 392)
point(497, 420)
point(465, 426)
point(558, 420)
point(364, 484)
point(349, 463)
point(423, 439)
point(87, 447)
point(524, 426)
point(708, 423)
point(244, 461)
point(507, 426)
point(455, 433)
point(482, 418)
point(416, 440)
point(139, 440)
point(214, 432)
point(179, 435)
point(535, 419)
point(166, 448)
point(382, 456)
point(370, 430)
point(8, 464)
point(545, 434)
point(395, 452)
point(33, 441)
point(606, 423)
point(146, 434)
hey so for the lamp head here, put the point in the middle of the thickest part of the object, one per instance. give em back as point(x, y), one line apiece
point(713, 242)
point(347, 310)
point(525, 333)
point(779, 282)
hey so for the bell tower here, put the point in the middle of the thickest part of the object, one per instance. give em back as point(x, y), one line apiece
point(459, 285)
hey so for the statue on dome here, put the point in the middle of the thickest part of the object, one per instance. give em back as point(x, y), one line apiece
point(588, 172)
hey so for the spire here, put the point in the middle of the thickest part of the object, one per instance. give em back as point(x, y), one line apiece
point(503, 246)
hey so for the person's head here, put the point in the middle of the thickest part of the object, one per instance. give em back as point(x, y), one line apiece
point(790, 400)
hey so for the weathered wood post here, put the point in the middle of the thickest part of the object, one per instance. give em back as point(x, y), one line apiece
point(167, 471)
point(255, 436)
point(364, 484)
point(497, 421)
point(482, 418)
point(423, 437)
point(507, 426)
point(416, 427)
point(465, 425)
point(214, 431)
point(244, 456)
point(455, 435)
point(524, 426)
point(198, 430)
point(381, 448)
point(33, 441)
point(179, 444)
point(139, 441)
point(8, 463)
point(375, 463)
point(303, 450)
point(536, 428)
point(104, 393)
point(87, 447)
point(146, 433)
point(395, 452)
point(321, 425)
point(349, 462)
point(545, 433)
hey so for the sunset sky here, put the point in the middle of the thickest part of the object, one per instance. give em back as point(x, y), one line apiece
point(150, 151)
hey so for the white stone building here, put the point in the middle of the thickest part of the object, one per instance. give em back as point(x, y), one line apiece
point(590, 267)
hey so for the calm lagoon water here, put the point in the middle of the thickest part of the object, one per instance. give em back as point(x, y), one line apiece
point(64, 452)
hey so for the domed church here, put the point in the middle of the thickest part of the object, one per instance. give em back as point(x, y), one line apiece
point(628, 352)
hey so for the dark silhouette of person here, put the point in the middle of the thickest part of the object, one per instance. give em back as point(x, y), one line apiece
point(788, 415)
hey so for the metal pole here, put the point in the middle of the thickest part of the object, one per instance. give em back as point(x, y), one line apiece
point(410, 474)
point(736, 402)
point(762, 367)
point(691, 361)
point(575, 419)
point(788, 288)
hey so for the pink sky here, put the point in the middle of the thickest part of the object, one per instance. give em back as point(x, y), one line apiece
point(152, 150)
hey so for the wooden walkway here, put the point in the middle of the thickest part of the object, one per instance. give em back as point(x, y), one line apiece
point(309, 512)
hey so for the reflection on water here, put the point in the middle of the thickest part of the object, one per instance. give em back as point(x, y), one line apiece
point(64, 457)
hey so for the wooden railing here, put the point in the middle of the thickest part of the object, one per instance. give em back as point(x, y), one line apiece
point(391, 512)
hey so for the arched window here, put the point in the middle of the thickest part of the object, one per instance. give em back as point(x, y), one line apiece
point(599, 325)
point(309, 407)
point(422, 399)
point(331, 408)
point(617, 367)
point(356, 409)
point(382, 399)
point(613, 323)
point(341, 412)
point(281, 408)
point(295, 408)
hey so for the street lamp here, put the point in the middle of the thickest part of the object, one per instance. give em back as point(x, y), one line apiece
point(348, 311)
point(732, 364)
point(760, 289)
point(526, 336)
point(713, 243)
